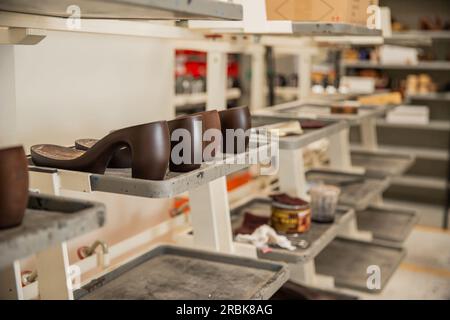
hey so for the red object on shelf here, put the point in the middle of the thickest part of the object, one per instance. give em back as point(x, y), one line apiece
point(193, 63)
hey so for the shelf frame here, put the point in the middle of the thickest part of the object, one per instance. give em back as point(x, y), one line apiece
point(255, 22)
point(130, 9)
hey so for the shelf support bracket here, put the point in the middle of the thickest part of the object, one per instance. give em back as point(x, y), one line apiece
point(10, 278)
point(53, 272)
point(258, 82)
point(339, 151)
point(292, 173)
point(23, 36)
point(369, 134)
point(216, 80)
point(210, 215)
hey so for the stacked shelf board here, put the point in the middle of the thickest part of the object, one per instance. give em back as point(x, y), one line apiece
point(389, 225)
point(317, 238)
point(309, 135)
point(176, 273)
point(348, 261)
point(424, 65)
point(357, 190)
point(119, 181)
point(49, 221)
point(257, 280)
point(130, 9)
point(321, 111)
point(437, 96)
point(382, 164)
point(337, 29)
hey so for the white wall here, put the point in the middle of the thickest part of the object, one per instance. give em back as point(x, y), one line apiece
point(84, 85)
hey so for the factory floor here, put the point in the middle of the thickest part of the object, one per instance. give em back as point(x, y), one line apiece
point(425, 272)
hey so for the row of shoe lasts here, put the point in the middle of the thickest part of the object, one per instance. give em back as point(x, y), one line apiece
point(145, 148)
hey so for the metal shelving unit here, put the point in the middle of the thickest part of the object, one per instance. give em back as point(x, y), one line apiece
point(129, 9)
point(206, 186)
point(318, 237)
point(382, 164)
point(357, 190)
point(423, 65)
point(328, 29)
point(438, 96)
point(175, 273)
point(389, 225)
point(119, 181)
point(348, 261)
point(48, 223)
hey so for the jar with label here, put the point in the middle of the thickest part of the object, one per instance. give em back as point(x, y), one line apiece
point(290, 215)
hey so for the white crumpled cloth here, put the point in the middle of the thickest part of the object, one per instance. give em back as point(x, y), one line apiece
point(263, 236)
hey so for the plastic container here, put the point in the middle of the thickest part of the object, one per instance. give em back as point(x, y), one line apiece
point(324, 200)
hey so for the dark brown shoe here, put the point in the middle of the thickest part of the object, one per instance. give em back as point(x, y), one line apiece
point(179, 162)
point(13, 186)
point(210, 120)
point(235, 119)
point(149, 145)
point(121, 158)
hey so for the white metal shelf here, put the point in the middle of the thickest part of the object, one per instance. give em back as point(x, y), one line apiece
point(129, 9)
point(440, 125)
point(49, 221)
point(422, 34)
point(287, 28)
point(358, 195)
point(331, 127)
point(318, 237)
point(424, 65)
point(327, 29)
point(321, 110)
point(436, 96)
point(382, 164)
point(425, 153)
point(200, 98)
point(119, 181)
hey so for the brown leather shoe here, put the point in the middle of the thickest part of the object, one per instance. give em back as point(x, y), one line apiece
point(13, 186)
point(193, 125)
point(149, 145)
point(210, 120)
point(235, 118)
point(121, 158)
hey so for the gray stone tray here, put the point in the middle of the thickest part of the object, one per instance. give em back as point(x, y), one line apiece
point(347, 261)
point(309, 135)
point(382, 164)
point(320, 111)
point(358, 195)
point(120, 181)
point(48, 221)
point(337, 29)
point(130, 9)
point(175, 273)
point(389, 225)
point(318, 237)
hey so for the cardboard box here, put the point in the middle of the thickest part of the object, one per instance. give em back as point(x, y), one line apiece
point(348, 11)
point(398, 55)
point(409, 115)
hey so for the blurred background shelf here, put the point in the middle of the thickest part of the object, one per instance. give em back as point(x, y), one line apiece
point(201, 98)
point(438, 96)
point(424, 65)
